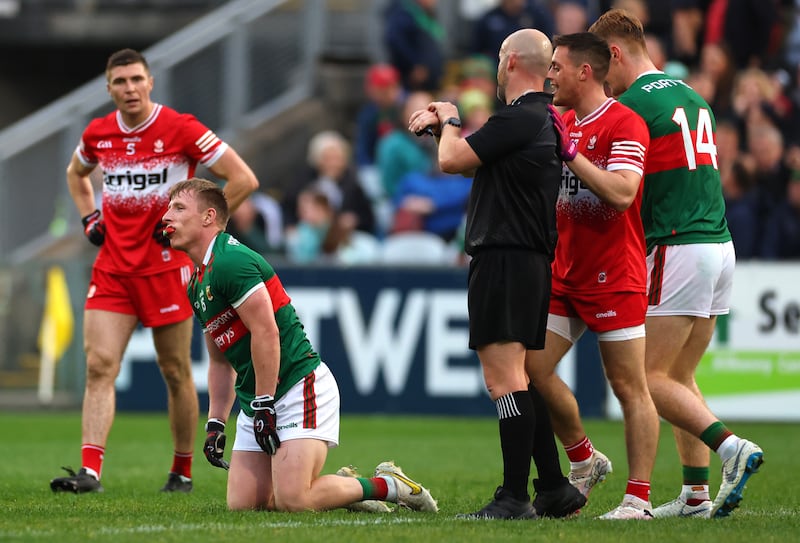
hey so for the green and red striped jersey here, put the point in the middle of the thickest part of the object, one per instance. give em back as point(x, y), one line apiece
point(230, 273)
point(682, 202)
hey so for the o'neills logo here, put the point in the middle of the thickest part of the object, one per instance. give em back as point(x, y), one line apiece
point(606, 314)
point(221, 320)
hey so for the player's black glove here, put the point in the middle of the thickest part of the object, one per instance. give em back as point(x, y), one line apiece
point(264, 426)
point(158, 234)
point(215, 443)
point(567, 148)
point(94, 228)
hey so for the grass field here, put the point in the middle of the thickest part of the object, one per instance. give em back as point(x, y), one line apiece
point(457, 458)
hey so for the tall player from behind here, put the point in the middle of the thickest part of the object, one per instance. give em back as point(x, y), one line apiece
point(143, 148)
point(690, 263)
point(599, 273)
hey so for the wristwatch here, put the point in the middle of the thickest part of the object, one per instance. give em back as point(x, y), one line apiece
point(455, 121)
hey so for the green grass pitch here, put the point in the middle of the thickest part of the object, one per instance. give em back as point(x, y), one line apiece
point(457, 458)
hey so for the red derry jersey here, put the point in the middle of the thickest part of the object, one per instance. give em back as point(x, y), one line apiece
point(599, 248)
point(139, 166)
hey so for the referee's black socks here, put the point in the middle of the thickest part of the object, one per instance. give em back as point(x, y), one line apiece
point(515, 411)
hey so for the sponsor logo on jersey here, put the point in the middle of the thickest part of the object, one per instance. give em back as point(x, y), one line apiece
point(570, 184)
point(104, 144)
point(158, 146)
point(169, 309)
point(220, 320)
point(134, 180)
point(606, 314)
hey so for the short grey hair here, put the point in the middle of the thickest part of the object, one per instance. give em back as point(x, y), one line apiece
point(321, 141)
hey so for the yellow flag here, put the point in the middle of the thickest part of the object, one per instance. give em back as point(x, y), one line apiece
point(55, 334)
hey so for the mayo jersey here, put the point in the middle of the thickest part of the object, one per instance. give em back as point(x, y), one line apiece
point(682, 201)
point(230, 273)
point(599, 248)
point(139, 166)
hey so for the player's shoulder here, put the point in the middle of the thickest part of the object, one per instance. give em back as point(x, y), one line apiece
point(101, 125)
point(231, 252)
point(167, 113)
point(625, 114)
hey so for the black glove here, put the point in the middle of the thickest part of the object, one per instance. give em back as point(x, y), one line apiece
point(94, 228)
point(264, 426)
point(158, 234)
point(567, 148)
point(215, 443)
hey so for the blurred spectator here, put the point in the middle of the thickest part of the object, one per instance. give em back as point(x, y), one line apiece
point(491, 28)
point(375, 119)
point(655, 48)
point(432, 202)
point(478, 72)
point(741, 207)
point(415, 43)
point(255, 222)
point(717, 65)
point(729, 146)
point(475, 107)
point(704, 85)
point(304, 243)
point(687, 29)
point(781, 238)
point(765, 144)
point(401, 152)
point(571, 17)
point(639, 8)
point(754, 99)
point(791, 54)
point(332, 173)
point(748, 27)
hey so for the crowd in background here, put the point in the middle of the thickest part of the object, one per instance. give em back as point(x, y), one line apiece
point(360, 191)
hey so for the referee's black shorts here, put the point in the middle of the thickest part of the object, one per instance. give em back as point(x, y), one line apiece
point(508, 297)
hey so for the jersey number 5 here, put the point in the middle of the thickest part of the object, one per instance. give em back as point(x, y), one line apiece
point(704, 141)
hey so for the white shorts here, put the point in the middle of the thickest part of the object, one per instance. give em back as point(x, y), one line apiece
point(572, 328)
point(695, 279)
point(309, 410)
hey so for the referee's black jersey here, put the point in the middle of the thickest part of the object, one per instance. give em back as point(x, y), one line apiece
point(513, 199)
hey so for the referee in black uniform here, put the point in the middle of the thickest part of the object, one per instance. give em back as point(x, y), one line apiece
point(511, 237)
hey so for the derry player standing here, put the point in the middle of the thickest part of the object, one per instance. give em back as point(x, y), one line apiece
point(599, 271)
point(143, 148)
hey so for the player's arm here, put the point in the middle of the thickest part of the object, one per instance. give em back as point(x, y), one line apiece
point(240, 179)
point(258, 316)
point(80, 186)
point(455, 154)
point(617, 188)
point(221, 379)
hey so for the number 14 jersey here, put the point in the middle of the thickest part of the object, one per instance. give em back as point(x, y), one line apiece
point(682, 201)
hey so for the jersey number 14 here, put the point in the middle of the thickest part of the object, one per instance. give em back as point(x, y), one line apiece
point(704, 140)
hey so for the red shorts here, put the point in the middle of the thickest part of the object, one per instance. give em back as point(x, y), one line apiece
point(604, 311)
point(157, 299)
